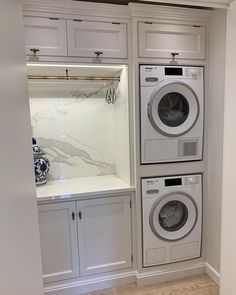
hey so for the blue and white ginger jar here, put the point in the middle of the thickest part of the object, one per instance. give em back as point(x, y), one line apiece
point(41, 164)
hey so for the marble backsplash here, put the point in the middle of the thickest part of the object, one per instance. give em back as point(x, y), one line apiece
point(75, 127)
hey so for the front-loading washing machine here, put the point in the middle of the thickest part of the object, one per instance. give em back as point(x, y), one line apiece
point(172, 111)
point(171, 218)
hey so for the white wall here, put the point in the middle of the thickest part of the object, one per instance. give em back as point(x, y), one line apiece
point(20, 262)
point(75, 126)
point(121, 122)
point(228, 251)
point(215, 121)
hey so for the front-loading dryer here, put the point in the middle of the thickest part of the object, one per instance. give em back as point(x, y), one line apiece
point(172, 111)
point(172, 219)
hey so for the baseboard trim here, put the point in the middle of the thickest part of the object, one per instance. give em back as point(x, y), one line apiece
point(154, 277)
point(212, 273)
point(93, 284)
point(144, 278)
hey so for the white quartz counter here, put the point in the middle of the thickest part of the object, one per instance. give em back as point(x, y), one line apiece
point(81, 187)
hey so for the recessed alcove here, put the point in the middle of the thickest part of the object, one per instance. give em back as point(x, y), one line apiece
point(79, 115)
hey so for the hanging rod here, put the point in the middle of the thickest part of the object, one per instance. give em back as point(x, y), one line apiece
point(76, 78)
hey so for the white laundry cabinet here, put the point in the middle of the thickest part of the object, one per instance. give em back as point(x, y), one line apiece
point(58, 239)
point(45, 36)
point(85, 237)
point(161, 39)
point(91, 39)
point(52, 37)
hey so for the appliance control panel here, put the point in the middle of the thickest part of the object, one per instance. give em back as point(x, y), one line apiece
point(152, 187)
point(150, 75)
point(195, 179)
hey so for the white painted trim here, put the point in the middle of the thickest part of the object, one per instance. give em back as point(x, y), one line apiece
point(167, 13)
point(111, 281)
point(92, 284)
point(200, 3)
point(154, 277)
point(212, 273)
point(68, 7)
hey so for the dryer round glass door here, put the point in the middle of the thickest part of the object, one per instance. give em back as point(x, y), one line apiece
point(173, 108)
point(173, 216)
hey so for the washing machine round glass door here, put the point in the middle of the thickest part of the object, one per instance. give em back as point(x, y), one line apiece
point(173, 108)
point(173, 216)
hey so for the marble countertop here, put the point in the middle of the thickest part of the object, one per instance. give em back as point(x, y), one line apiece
point(81, 187)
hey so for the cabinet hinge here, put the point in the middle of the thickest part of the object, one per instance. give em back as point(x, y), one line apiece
point(53, 18)
point(130, 204)
point(132, 257)
point(77, 20)
point(114, 23)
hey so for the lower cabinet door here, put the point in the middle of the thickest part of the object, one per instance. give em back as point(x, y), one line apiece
point(104, 233)
point(58, 239)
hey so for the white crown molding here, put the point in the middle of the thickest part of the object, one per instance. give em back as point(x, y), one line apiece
point(168, 12)
point(68, 7)
point(201, 3)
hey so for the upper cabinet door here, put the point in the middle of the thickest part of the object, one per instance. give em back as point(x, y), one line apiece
point(85, 38)
point(58, 239)
point(160, 40)
point(48, 36)
point(104, 234)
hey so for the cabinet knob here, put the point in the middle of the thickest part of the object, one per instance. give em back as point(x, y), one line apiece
point(80, 215)
point(174, 54)
point(98, 53)
point(173, 61)
point(73, 215)
point(34, 50)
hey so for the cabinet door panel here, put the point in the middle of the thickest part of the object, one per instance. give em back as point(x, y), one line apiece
point(85, 38)
point(58, 239)
point(160, 40)
point(104, 234)
point(47, 35)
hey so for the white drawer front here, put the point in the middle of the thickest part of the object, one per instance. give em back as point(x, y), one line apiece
point(160, 40)
point(47, 35)
point(85, 38)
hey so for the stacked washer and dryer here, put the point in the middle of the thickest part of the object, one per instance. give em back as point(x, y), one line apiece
point(172, 113)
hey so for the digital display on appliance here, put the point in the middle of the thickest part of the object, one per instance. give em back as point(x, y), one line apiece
point(173, 181)
point(173, 71)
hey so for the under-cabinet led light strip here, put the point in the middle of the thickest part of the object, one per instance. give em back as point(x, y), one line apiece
point(70, 78)
point(76, 66)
